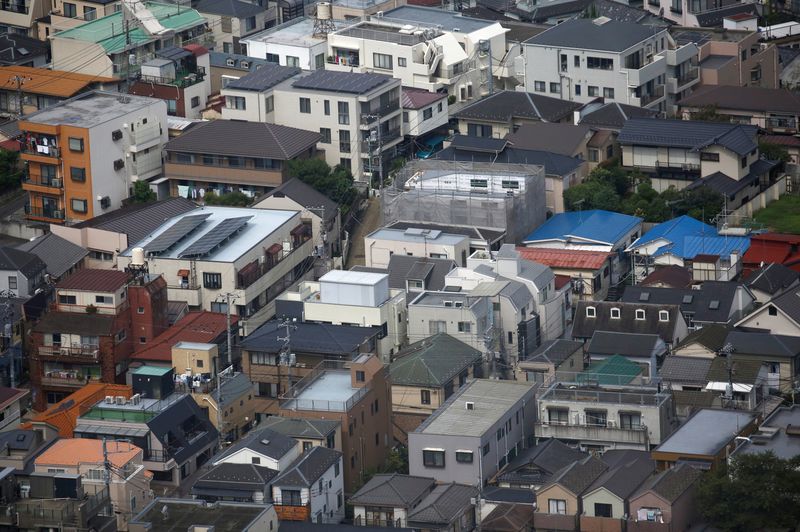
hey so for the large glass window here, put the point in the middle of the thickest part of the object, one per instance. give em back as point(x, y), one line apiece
point(433, 458)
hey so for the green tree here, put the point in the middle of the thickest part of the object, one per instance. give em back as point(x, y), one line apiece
point(231, 199)
point(397, 462)
point(755, 492)
point(702, 203)
point(614, 176)
point(9, 169)
point(773, 152)
point(708, 113)
point(142, 192)
point(336, 183)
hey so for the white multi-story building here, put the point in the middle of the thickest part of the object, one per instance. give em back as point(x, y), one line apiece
point(380, 245)
point(291, 44)
point(583, 59)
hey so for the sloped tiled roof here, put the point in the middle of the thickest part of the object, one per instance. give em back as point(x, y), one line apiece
point(508, 518)
point(763, 344)
point(742, 371)
point(672, 483)
point(672, 276)
point(565, 258)
point(198, 326)
point(322, 338)
point(584, 326)
point(308, 468)
point(759, 99)
point(613, 115)
point(685, 369)
point(95, 280)
point(64, 414)
point(445, 503)
point(57, 253)
point(395, 490)
point(555, 351)
point(304, 194)
point(73, 452)
point(690, 134)
point(625, 344)
point(299, 427)
point(226, 477)
point(28, 264)
point(432, 362)
point(266, 442)
point(711, 336)
point(411, 98)
point(505, 105)
point(578, 476)
point(772, 278)
point(58, 83)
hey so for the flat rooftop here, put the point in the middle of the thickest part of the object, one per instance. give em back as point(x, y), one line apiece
point(331, 391)
point(296, 32)
point(183, 514)
point(437, 299)
point(700, 36)
point(405, 34)
point(200, 346)
point(593, 394)
point(353, 277)
point(90, 109)
point(492, 401)
point(260, 224)
point(434, 17)
point(707, 432)
point(419, 237)
point(778, 434)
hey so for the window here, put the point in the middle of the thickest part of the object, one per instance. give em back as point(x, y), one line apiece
point(559, 416)
point(640, 314)
point(269, 104)
point(576, 61)
point(602, 509)
point(596, 417)
point(479, 130)
point(273, 58)
point(89, 13)
point(557, 506)
point(591, 312)
point(772, 310)
point(427, 114)
point(433, 457)
point(326, 105)
point(325, 133)
point(70, 10)
point(500, 433)
point(464, 327)
point(510, 184)
point(539, 86)
point(12, 282)
point(104, 300)
point(305, 105)
point(510, 337)
point(344, 112)
point(436, 327)
point(77, 174)
point(67, 300)
point(195, 101)
point(360, 376)
point(235, 102)
point(464, 457)
point(714, 304)
point(594, 91)
point(755, 74)
point(577, 90)
point(212, 280)
point(142, 340)
point(292, 61)
point(594, 155)
point(172, 107)
point(630, 420)
point(79, 205)
point(439, 107)
point(744, 162)
point(608, 92)
point(344, 141)
point(713, 157)
point(255, 460)
point(75, 144)
point(485, 449)
point(564, 62)
point(555, 87)
point(615, 313)
point(250, 23)
point(425, 397)
point(291, 497)
point(600, 63)
point(663, 315)
point(383, 61)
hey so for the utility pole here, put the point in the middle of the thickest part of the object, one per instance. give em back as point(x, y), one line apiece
point(727, 350)
point(229, 296)
point(20, 81)
point(107, 475)
point(285, 356)
point(378, 140)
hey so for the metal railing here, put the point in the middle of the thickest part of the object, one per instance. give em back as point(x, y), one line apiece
point(43, 181)
point(39, 212)
point(342, 60)
point(63, 379)
point(291, 399)
point(782, 122)
point(636, 435)
point(657, 94)
point(629, 396)
point(386, 523)
point(38, 149)
point(182, 79)
point(688, 76)
point(369, 115)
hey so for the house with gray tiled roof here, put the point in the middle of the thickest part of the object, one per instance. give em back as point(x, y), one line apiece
point(667, 498)
point(771, 280)
point(21, 272)
point(560, 503)
point(386, 500)
point(607, 497)
point(448, 507)
point(311, 487)
point(61, 256)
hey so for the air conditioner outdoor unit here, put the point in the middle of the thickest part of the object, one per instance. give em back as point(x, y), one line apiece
point(119, 164)
point(109, 399)
point(116, 134)
point(136, 399)
point(58, 214)
point(64, 351)
point(120, 399)
point(56, 183)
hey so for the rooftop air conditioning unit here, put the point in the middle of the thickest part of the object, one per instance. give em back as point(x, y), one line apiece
point(120, 399)
point(136, 399)
point(109, 399)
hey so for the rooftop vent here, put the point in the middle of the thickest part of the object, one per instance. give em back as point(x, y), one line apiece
point(599, 21)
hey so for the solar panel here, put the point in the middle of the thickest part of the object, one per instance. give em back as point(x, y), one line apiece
point(179, 230)
point(218, 234)
point(349, 82)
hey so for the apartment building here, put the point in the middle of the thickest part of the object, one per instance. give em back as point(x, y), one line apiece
point(426, 48)
point(602, 418)
point(179, 76)
point(19, 16)
point(254, 254)
point(629, 63)
point(293, 43)
point(464, 318)
point(311, 488)
point(423, 112)
point(474, 435)
point(251, 96)
point(700, 13)
point(100, 318)
point(114, 47)
point(385, 242)
point(84, 154)
point(21, 273)
point(221, 156)
point(129, 485)
point(230, 21)
point(356, 393)
point(361, 299)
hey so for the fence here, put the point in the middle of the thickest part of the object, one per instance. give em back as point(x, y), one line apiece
point(762, 200)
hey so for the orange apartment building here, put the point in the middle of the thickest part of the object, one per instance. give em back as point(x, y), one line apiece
point(83, 154)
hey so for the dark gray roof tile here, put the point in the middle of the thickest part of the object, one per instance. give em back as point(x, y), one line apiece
point(57, 253)
point(685, 369)
point(304, 194)
point(395, 490)
point(613, 115)
point(265, 77)
point(321, 338)
point(308, 468)
point(772, 279)
point(444, 504)
point(432, 362)
point(690, 134)
point(29, 264)
point(505, 105)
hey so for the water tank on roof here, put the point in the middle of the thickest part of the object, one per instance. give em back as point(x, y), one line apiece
point(137, 257)
point(324, 11)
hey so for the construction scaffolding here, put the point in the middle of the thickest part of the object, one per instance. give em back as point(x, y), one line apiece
point(507, 197)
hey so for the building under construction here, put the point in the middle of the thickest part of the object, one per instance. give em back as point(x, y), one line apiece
point(510, 198)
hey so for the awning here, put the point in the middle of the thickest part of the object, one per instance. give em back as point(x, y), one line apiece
point(722, 386)
point(92, 428)
point(183, 273)
point(273, 249)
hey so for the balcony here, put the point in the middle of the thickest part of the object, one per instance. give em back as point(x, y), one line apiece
point(58, 514)
point(781, 124)
point(344, 60)
point(326, 388)
point(370, 115)
point(383, 523)
point(594, 433)
point(182, 79)
point(87, 353)
point(46, 214)
point(67, 379)
point(645, 73)
point(42, 183)
point(146, 163)
point(274, 255)
point(651, 98)
point(386, 137)
point(40, 147)
point(546, 521)
point(682, 82)
point(23, 8)
point(144, 136)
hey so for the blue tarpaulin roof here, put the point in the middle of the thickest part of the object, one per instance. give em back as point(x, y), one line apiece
point(688, 238)
point(593, 225)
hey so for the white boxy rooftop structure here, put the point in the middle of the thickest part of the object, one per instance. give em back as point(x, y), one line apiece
point(344, 287)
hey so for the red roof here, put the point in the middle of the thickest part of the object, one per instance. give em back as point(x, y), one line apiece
point(767, 255)
point(203, 327)
point(64, 414)
point(673, 276)
point(781, 140)
point(418, 98)
point(562, 280)
point(565, 258)
point(95, 280)
point(775, 237)
point(10, 145)
point(196, 49)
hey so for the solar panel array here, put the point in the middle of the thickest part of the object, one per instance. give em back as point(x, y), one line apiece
point(177, 232)
point(218, 234)
point(264, 78)
point(349, 82)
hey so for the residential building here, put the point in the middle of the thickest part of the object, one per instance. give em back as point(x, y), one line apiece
point(666, 321)
point(770, 281)
point(456, 314)
point(178, 76)
point(345, 391)
point(481, 238)
point(234, 20)
point(630, 63)
point(671, 276)
point(174, 433)
point(508, 517)
point(731, 56)
point(775, 435)
point(193, 342)
point(605, 501)
point(311, 488)
point(425, 117)
point(251, 96)
point(383, 243)
point(413, 274)
point(707, 438)
point(307, 432)
point(448, 507)
point(646, 350)
point(16, 21)
point(593, 230)
point(563, 494)
point(105, 236)
point(21, 273)
point(427, 373)
point(779, 354)
point(739, 383)
point(710, 302)
point(589, 271)
point(221, 156)
point(234, 483)
point(386, 499)
point(362, 299)
point(705, 342)
point(772, 247)
point(666, 499)
point(681, 153)
point(504, 112)
point(535, 465)
point(272, 373)
point(426, 48)
point(185, 513)
point(228, 67)
point(110, 44)
point(128, 485)
point(43, 88)
point(23, 446)
point(580, 141)
point(262, 447)
point(779, 316)
point(316, 207)
point(364, 131)
point(60, 256)
point(11, 407)
point(606, 417)
point(99, 319)
point(104, 140)
point(231, 407)
point(615, 370)
point(560, 171)
point(254, 253)
point(609, 115)
point(474, 435)
point(295, 43)
point(554, 360)
point(682, 241)
point(687, 378)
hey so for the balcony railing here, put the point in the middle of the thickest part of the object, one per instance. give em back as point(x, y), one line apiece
point(293, 399)
point(777, 122)
point(343, 60)
point(370, 115)
point(34, 147)
point(386, 523)
point(657, 94)
point(386, 137)
point(81, 351)
point(256, 270)
point(598, 433)
point(43, 181)
point(39, 212)
point(22, 8)
point(72, 380)
point(688, 76)
point(182, 79)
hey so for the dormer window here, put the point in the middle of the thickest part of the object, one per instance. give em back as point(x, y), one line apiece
point(663, 315)
point(415, 284)
point(640, 315)
point(591, 312)
point(615, 313)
